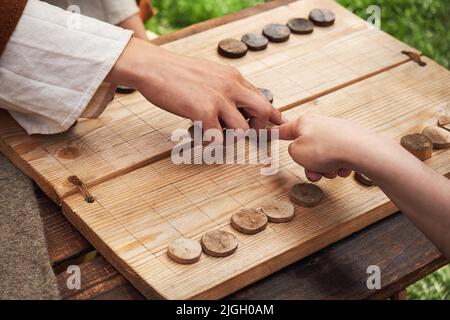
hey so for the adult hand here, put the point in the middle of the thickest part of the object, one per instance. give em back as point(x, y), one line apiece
point(193, 88)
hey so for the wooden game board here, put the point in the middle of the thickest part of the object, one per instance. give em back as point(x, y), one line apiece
point(143, 200)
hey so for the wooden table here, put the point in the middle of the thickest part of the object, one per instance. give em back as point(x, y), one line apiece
point(403, 253)
point(337, 272)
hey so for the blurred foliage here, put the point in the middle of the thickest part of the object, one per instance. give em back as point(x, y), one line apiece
point(176, 14)
point(435, 286)
point(423, 24)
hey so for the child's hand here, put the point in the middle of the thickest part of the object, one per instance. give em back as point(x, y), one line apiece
point(329, 147)
point(325, 146)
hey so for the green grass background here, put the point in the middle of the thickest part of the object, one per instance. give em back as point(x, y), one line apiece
point(423, 24)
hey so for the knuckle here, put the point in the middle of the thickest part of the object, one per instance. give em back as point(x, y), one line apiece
point(209, 113)
point(215, 99)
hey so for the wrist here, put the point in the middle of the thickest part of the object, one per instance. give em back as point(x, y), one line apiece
point(130, 68)
point(380, 158)
point(368, 152)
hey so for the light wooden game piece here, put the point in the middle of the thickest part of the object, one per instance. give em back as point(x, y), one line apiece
point(278, 211)
point(418, 144)
point(306, 194)
point(249, 221)
point(444, 121)
point(184, 251)
point(439, 136)
point(219, 243)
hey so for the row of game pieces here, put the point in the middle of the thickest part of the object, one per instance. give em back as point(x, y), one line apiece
point(275, 32)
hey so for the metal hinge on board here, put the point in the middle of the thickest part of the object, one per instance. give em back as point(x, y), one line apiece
point(83, 189)
point(415, 57)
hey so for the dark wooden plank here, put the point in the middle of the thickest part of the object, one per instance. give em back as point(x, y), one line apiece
point(402, 252)
point(64, 242)
point(99, 280)
point(219, 21)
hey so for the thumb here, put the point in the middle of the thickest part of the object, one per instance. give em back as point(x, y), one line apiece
point(289, 130)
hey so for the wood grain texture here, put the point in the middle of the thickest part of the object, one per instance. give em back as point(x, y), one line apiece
point(143, 201)
point(402, 252)
point(133, 133)
point(139, 213)
point(64, 242)
point(336, 272)
point(98, 279)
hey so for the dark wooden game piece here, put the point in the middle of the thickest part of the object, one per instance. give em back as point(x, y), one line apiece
point(267, 94)
point(232, 48)
point(255, 42)
point(300, 26)
point(363, 179)
point(322, 17)
point(124, 90)
point(276, 32)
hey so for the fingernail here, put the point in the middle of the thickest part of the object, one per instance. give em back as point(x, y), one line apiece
point(283, 118)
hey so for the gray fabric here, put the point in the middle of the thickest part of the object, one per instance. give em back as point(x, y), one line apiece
point(25, 270)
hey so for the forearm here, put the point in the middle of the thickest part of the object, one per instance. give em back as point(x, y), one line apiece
point(418, 191)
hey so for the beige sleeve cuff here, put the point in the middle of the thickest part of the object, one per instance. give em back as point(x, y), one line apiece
point(54, 67)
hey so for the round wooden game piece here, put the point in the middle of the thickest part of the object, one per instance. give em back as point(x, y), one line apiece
point(322, 17)
point(444, 121)
point(124, 90)
point(363, 179)
point(300, 26)
point(255, 42)
point(184, 251)
point(267, 94)
point(445, 126)
point(232, 48)
point(306, 194)
point(439, 136)
point(418, 144)
point(276, 32)
point(278, 211)
point(249, 221)
point(219, 243)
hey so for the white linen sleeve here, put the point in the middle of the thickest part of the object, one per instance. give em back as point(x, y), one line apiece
point(111, 11)
point(54, 65)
